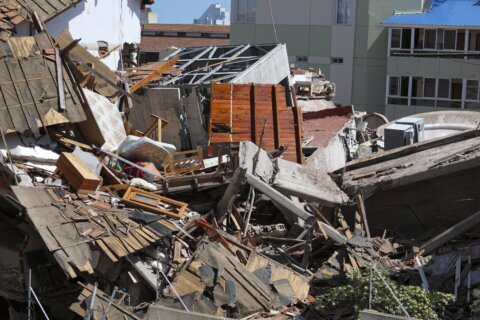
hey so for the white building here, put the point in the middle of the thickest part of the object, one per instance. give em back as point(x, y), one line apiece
point(215, 14)
point(101, 25)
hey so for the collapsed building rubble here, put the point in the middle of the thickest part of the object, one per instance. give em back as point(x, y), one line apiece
point(197, 187)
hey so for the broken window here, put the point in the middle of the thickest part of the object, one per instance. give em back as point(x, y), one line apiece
point(246, 11)
point(344, 12)
point(430, 38)
point(472, 89)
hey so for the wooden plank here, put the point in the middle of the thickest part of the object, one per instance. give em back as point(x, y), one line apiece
point(157, 72)
point(60, 84)
point(114, 246)
point(107, 251)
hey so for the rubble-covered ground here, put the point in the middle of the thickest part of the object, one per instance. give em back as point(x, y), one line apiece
point(176, 191)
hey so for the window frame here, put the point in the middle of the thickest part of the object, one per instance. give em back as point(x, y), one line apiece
point(350, 17)
point(478, 90)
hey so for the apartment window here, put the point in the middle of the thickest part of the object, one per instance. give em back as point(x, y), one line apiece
point(474, 41)
point(398, 90)
point(430, 38)
point(394, 86)
point(246, 11)
point(219, 35)
point(148, 33)
point(417, 87)
point(418, 40)
point(443, 88)
point(302, 59)
point(456, 89)
point(337, 60)
point(460, 40)
point(472, 89)
point(193, 34)
point(344, 12)
point(440, 35)
point(449, 39)
point(170, 34)
point(431, 92)
point(429, 89)
point(401, 39)
point(473, 100)
point(396, 38)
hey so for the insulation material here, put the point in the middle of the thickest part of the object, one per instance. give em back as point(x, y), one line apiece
point(145, 149)
point(108, 120)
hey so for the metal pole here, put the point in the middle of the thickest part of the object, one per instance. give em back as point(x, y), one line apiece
point(110, 301)
point(39, 304)
point(392, 293)
point(29, 308)
point(173, 288)
point(89, 314)
point(370, 288)
point(158, 275)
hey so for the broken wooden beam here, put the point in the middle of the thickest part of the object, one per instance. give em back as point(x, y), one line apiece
point(451, 233)
point(230, 194)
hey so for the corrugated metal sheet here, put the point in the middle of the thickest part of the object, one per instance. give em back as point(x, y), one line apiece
point(454, 13)
point(238, 112)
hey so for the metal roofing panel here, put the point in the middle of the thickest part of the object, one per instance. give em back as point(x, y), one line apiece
point(454, 13)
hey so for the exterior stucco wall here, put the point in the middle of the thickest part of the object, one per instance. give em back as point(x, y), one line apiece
point(113, 21)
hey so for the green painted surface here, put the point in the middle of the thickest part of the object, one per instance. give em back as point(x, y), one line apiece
point(242, 33)
point(434, 67)
point(370, 53)
point(320, 41)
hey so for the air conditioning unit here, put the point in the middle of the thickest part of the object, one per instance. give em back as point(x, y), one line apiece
point(418, 125)
point(398, 135)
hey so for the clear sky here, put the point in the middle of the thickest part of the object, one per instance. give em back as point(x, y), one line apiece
point(183, 11)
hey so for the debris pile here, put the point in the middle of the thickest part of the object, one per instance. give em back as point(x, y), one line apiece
point(196, 187)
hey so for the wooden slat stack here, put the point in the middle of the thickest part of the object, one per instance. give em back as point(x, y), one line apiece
point(238, 113)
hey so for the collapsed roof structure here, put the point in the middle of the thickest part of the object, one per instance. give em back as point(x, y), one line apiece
point(196, 188)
